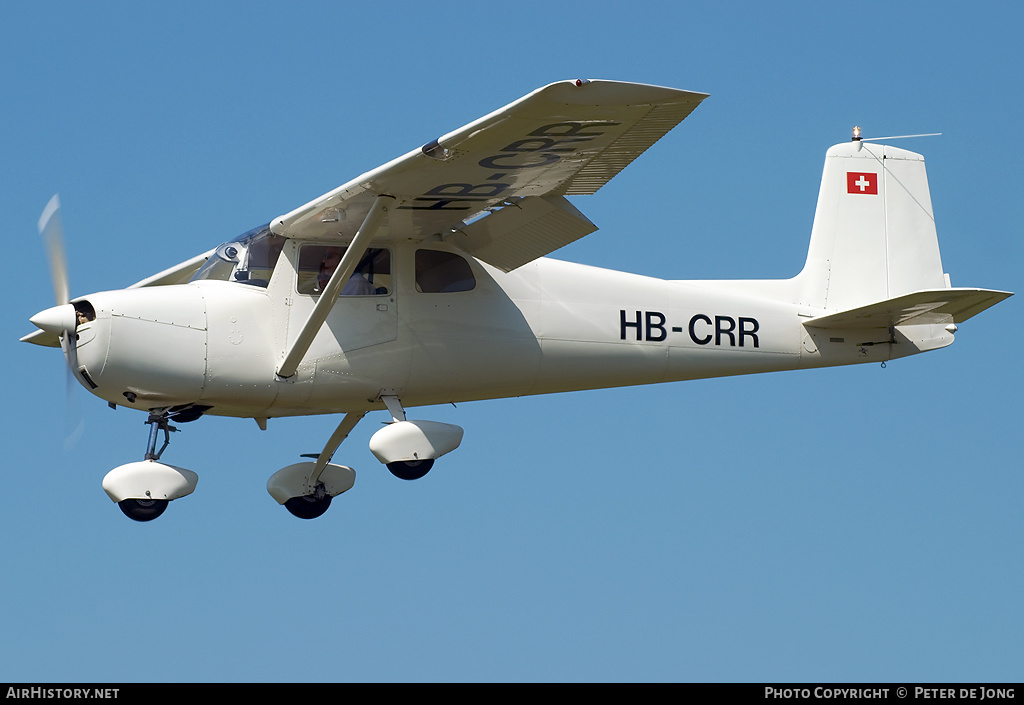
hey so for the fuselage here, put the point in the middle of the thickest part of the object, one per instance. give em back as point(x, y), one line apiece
point(549, 326)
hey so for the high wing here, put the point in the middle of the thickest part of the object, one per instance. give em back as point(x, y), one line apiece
point(516, 164)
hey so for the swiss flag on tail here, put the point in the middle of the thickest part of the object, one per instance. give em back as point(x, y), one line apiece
point(858, 182)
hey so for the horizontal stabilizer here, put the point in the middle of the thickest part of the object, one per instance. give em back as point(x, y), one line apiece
point(920, 307)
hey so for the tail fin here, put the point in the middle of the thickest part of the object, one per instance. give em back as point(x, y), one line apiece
point(873, 237)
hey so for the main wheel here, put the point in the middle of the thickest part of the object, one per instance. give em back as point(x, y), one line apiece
point(308, 506)
point(410, 469)
point(142, 509)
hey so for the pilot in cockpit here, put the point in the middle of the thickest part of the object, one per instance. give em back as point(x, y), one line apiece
point(357, 284)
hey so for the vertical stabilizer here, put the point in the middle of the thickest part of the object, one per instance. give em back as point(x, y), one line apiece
point(873, 236)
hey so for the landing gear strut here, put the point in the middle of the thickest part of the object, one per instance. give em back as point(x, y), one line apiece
point(158, 421)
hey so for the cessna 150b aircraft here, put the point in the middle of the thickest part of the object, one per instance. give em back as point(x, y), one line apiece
point(425, 281)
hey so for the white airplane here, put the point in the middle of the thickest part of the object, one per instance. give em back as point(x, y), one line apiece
point(425, 281)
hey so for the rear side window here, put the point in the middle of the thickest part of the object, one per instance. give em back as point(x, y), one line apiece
point(441, 272)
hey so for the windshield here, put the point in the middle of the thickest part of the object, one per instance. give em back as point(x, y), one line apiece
point(248, 259)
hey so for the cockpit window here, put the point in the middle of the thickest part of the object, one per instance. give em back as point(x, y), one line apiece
point(372, 276)
point(438, 272)
point(249, 259)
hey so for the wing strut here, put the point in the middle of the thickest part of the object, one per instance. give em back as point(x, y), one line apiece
point(323, 307)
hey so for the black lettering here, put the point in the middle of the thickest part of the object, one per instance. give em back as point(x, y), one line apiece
point(492, 161)
point(751, 331)
point(467, 190)
point(465, 196)
point(570, 129)
point(544, 145)
point(659, 326)
point(442, 204)
point(724, 325)
point(693, 333)
point(623, 325)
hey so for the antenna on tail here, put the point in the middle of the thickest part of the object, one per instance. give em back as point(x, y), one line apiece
point(858, 138)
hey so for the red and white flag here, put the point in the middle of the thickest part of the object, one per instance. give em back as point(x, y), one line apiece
point(858, 182)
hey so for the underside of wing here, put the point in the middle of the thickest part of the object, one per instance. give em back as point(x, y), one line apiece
point(568, 138)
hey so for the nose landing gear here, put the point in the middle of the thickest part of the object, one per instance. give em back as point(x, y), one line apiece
point(143, 489)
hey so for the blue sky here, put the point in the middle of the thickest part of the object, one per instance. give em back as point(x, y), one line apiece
point(856, 524)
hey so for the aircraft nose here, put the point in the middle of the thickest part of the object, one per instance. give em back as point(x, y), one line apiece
point(57, 320)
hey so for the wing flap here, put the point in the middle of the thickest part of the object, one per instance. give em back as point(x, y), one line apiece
point(522, 231)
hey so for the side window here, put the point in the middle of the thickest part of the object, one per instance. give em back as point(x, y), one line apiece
point(438, 272)
point(372, 276)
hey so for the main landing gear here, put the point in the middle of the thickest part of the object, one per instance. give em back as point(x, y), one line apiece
point(407, 448)
point(306, 489)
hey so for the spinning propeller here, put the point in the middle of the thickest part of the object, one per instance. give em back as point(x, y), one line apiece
point(62, 319)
